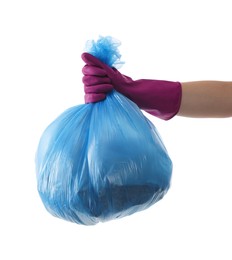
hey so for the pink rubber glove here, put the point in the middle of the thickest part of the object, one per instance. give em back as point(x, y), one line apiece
point(157, 97)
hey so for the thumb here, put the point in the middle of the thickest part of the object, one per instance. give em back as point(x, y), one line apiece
point(89, 59)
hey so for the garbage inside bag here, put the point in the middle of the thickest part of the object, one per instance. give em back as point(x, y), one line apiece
point(101, 161)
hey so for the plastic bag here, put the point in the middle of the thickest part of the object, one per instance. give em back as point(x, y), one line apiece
point(101, 161)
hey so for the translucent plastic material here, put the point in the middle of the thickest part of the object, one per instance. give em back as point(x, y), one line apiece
point(101, 161)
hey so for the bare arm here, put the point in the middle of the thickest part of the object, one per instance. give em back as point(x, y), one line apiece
point(208, 99)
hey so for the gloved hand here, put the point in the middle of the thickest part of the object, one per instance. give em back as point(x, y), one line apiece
point(157, 97)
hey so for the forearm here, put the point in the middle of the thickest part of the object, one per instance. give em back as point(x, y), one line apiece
point(208, 99)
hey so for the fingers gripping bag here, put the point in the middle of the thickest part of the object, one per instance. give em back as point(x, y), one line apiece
point(101, 161)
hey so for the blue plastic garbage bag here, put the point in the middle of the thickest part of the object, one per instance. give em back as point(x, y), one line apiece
point(101, 161)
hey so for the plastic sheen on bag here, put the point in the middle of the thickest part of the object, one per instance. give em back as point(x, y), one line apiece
point(101, 161)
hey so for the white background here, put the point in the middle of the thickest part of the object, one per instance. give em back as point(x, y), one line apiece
point(40, 76)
